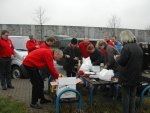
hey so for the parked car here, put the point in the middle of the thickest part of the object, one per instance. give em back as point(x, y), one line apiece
point(146, 55)
point(20, 52)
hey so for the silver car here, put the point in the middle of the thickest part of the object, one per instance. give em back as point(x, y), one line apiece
point(20, 52)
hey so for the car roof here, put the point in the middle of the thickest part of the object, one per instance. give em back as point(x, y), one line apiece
point(18, 36)
point(66, 37)
point(91, 39)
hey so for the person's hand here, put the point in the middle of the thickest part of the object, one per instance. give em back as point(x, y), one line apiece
point(76, 58)
point(116, 56)
point(37, 46)
point(61, 75)
point(12, 56)
point(67, 56)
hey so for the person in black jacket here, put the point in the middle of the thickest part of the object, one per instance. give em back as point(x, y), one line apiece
point(72, 55)
point(95, 55)
point(130, 60)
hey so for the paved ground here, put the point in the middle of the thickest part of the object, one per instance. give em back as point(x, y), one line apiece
point(22, 92)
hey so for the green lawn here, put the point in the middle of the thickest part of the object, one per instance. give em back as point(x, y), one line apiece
point(7, 105)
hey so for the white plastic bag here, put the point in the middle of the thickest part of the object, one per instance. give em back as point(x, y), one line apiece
point(106, 74)
point(86, 65)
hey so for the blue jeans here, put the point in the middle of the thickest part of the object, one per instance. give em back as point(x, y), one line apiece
point(128, 98)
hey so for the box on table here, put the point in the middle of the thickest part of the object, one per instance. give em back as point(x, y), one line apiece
point(64, 83)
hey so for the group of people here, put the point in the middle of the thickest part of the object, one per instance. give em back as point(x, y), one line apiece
point(38, 63)
point(40, 56)
point(124, 57)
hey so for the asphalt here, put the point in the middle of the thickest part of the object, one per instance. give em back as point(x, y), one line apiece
point(22, 93)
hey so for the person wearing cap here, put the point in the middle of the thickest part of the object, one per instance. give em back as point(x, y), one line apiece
point(32, 44)
point(72, 55)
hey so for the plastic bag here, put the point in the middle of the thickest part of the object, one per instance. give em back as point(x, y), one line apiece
point(86, 65)
point(106, 74)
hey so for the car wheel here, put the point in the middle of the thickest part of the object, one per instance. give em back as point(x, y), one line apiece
point(24, 73)
point(16, 72)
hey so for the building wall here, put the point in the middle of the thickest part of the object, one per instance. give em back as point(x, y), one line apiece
point(73, 31)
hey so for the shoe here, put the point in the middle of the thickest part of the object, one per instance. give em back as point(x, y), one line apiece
point(43, 101)
point(36, 106)
point(4, 88)
point(11, 87)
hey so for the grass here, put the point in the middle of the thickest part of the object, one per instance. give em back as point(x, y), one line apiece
point(8, 105)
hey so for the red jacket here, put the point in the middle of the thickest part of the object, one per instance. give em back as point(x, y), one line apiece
point(6, 48)
point(41, 58)
point(83, 49)
point(111, 43)
point(30, 45)
point(44, 45)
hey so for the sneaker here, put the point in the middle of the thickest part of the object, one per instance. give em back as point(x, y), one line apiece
point(43, 101)
point(36, 106)
point(11, 87)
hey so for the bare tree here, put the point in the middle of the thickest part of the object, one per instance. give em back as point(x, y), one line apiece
point(113, 23)
point(40, 19)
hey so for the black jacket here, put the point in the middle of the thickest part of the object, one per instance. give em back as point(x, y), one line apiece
point(96, 57)
point(72, 52)
point(130, 60)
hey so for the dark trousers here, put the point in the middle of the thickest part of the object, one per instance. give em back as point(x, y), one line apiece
point(128, 98)
point(5, 71)
point(37, 84)
point(44, 72)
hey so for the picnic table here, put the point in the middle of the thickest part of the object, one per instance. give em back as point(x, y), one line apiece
point(94, 83)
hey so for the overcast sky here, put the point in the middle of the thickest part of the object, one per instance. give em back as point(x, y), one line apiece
point(133, 14)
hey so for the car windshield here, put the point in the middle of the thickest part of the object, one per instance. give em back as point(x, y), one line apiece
point(19, 42)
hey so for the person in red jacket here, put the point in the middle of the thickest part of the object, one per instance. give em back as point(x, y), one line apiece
point(48, 43)
point(6, 54)
point(109, 42)
point(32, 44)
point(83, 47)
point(34, 61)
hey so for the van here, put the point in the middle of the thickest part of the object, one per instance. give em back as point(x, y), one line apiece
point(20, 52)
